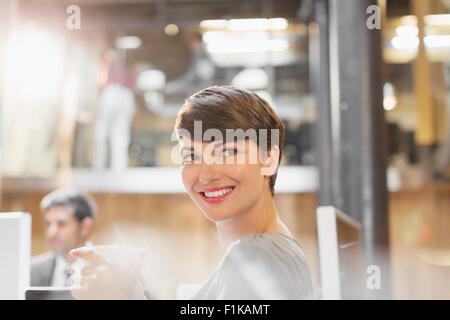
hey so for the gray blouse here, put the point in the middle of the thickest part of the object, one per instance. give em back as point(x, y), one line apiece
point(260, 266)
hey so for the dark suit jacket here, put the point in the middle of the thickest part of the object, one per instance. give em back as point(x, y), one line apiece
point(42, 268)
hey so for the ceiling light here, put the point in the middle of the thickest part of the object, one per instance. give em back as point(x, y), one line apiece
point(128, 42)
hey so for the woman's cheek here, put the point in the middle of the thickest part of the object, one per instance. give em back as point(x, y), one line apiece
point(242, 174)
point(188, 177)
point(254, 177)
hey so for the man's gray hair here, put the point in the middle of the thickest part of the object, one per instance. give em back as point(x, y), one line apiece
point(82, 205)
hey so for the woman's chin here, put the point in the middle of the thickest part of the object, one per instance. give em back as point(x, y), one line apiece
point(217, 216)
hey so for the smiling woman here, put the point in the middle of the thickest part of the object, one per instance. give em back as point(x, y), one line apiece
point(262, 259)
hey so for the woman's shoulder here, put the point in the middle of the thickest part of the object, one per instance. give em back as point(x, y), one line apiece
point(270, 262)
point(260, 266)
point(274, 244)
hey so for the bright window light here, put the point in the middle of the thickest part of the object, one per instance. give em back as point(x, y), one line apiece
point(213, 24)
point(437, 19)
point(128, 42)
point(407, 31)
point(405, 42)
point(261, 24)
point(212, 36)
point(34, 60)
point(217, 36)
point(278, 24)
point(257, 24)
point(389, 103)
point(251, 79)
point(222, 42)
point(437, 41)
point(246, 46)
point(389, 100)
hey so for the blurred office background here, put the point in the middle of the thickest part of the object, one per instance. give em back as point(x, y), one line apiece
point(51, 77)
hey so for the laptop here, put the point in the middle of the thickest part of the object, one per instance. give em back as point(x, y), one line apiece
point(48, 293)
point(15, 254)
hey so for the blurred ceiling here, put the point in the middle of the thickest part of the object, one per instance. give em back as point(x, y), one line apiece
point(155, 2)
point(112, 2)
point(135, 15)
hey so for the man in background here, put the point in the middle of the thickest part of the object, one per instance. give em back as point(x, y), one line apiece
point(69, 220)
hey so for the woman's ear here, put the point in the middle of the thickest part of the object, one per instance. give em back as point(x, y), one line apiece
point(270, 161)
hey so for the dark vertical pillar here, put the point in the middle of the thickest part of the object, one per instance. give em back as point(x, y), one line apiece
point(359, 131)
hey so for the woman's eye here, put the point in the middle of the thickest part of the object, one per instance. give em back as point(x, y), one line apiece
point(229, 152)
point(189, 158)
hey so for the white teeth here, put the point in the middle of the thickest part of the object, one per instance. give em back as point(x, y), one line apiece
point(218, 193)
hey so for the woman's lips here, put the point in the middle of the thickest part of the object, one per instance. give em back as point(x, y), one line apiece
point(216, 195)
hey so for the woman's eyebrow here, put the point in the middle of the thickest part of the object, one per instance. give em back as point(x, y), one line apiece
point(216, 145)
point(223, 143)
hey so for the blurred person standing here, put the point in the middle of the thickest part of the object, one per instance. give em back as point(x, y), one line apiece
point(200, 73)
point(69, 220)
point(115, 113)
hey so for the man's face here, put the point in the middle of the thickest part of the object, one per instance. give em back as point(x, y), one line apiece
point(62, 229)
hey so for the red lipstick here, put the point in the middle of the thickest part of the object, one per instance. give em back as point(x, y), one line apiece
point(218, 199)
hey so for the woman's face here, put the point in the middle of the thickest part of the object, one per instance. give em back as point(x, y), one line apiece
point(225, 190)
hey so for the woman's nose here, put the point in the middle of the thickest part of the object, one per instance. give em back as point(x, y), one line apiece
point(208, 173)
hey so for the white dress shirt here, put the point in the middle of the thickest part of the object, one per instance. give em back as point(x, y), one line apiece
point(63, 272)
point(60, 277)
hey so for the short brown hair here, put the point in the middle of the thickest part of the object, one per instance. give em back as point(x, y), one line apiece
point(227, 107)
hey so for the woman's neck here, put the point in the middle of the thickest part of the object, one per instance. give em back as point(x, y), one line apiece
point(262, 217)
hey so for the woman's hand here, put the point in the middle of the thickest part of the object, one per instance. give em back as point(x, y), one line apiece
point(111, 273)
